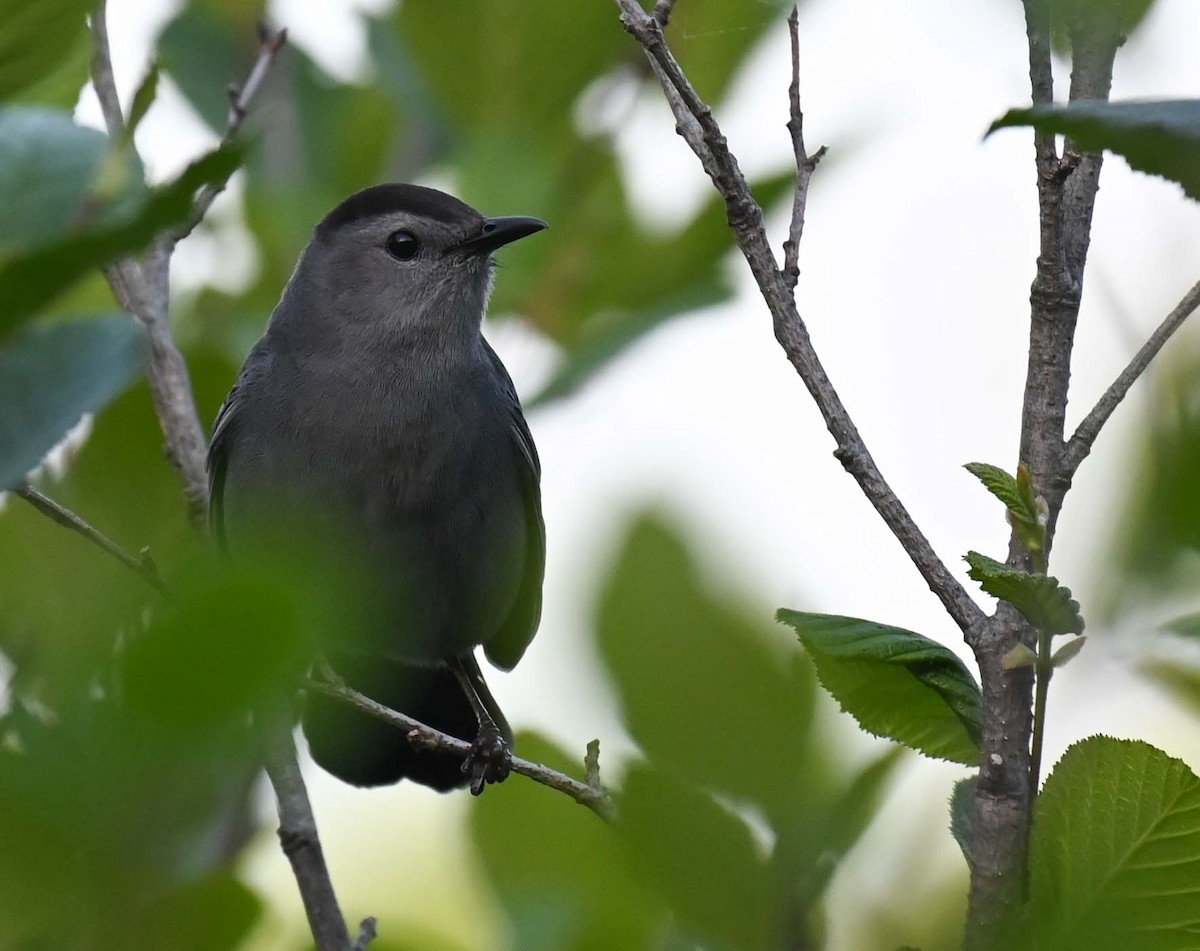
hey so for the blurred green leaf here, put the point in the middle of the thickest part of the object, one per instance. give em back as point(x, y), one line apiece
point(32, 280)
point(1069, 19)
point(1115, 850)
point(962, 816)
point(570, 891)
point(143, 99)
point(48, 168)
point(212, 913)
point(699, 858)
point(51, 375)
point(204, 50)
point(1046, 604)
point(36, 38)
point(707, 693)
point(712, 39)
point(895, 683)
point(1157, 137)
point(61, 86)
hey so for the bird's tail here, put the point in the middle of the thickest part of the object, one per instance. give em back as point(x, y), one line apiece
point(365, 751)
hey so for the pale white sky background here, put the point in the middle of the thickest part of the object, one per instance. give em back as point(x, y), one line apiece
point(917, 259)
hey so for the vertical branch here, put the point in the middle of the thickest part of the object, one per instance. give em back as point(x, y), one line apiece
point(1066, 198)
point(805, 164)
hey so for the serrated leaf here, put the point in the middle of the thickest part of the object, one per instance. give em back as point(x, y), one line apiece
point(1004, 487)
point(895, 683)
point(1065, 654)
point(1157, 137)
point(1115, 850)
point(51, 375)
point(32, 280)
point(962, 816)
point(1046, 604)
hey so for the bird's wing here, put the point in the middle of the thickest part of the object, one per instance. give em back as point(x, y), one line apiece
point(506, 646)
point(219, 448)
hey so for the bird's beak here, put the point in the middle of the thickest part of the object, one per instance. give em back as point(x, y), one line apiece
point(497, 232)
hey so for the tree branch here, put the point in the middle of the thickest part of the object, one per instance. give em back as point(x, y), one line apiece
point(144, 565)
point(590, 794)
point(805, 164)
point(700, 130)
point(1080, 444)
point(298, 837)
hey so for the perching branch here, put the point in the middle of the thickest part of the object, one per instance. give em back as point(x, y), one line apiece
point(590, 794)
point(695, 122)
point(1080, 444)
point(143, 287)
point(145, 565)
point(805, 164)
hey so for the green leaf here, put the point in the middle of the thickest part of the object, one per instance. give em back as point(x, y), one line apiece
point(36, 38)
point(571, 891)
point(32, 280)
point(962, 816)
point(204, 49)
point(707, 693)
point(1089, 20)
point(1065, 654)
point(216, 911)
point(1004, 487)
point(1186, 626)
point(699, 858)
point(143, 99)
point(1157, 137)
point(1045, 603)
point(48, 168)
point(51, 375)
point(1115, 850)
point(895, 683)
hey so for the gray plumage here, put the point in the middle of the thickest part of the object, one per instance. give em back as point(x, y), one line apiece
point(373, 399)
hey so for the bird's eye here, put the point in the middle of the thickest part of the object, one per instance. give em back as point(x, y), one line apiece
point(402, 245)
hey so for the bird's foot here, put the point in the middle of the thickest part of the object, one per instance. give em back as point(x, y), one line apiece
point(489, 760)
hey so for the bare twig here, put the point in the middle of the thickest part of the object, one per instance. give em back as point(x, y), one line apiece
point(805, 164)
point(594, 797)
point(269, 45)
point(700, 130)
point(102, 74)
point(662, 12)
point(366, 934)
point(144, 566)
point(298, 836)
point(1085, 435)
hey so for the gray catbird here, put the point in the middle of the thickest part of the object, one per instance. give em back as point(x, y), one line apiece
point(372, 405)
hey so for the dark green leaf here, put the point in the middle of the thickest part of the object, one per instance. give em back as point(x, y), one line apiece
point(895, 683)
point(570, 891)
point(1115, 850)
point(1045, 603)
point(707, 693)
point(36, 38)
point(32, 280)
point(699, 858)
point(214, 912)
point(962, 816)
point(48, 170)
point(51, 375)
point(143, 99)
point(1186, 626)
point(1158, 137)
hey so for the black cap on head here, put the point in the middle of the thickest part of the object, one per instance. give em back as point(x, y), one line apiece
point(385, 199)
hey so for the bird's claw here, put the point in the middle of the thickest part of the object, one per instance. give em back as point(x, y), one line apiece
point(489, 760)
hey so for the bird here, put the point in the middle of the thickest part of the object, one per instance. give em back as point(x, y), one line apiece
point(373, 410)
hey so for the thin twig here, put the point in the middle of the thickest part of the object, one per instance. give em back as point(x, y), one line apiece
point(240, 97)
point(102, 74)
point(1080, 444)
point(805, 164)
point(144, 566)
point(695, 122)
point(366, 934)
point(422, 736)
point(298, 835)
